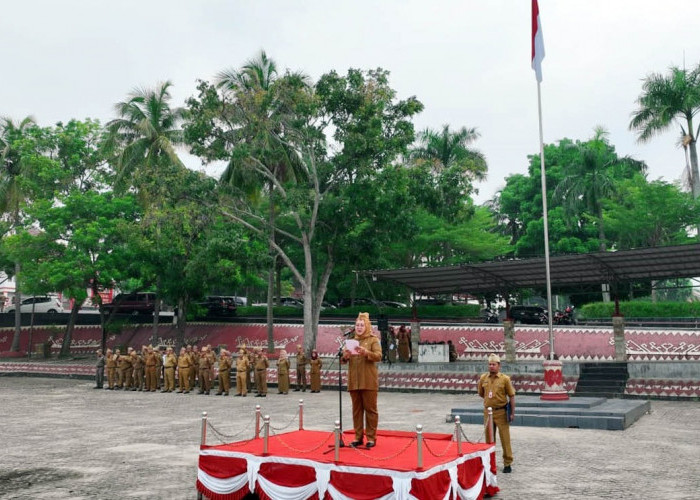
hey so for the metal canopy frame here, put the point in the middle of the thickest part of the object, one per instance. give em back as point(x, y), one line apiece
point(658, 263)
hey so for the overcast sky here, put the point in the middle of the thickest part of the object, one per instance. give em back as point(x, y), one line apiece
point(468, 61)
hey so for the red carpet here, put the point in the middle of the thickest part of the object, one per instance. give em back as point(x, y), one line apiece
point(300, 465)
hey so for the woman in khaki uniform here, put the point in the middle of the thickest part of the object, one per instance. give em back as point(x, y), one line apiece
point(169, 375)
point(283, 373)
point(315, 371)
point(363, 381)
point(242, 373)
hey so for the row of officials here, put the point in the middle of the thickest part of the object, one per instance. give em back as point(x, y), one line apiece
point(152, 369)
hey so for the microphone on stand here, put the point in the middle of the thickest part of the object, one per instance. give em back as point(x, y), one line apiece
point(348, 333)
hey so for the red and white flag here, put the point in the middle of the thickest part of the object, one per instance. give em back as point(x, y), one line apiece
point(537, 41)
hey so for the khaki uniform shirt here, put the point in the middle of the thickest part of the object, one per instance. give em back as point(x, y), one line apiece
point(170, 360)
point(242, 364)
point(301, 361)
point(184, 361)
point(494, 390)
point(261, 363)
point(362, 371)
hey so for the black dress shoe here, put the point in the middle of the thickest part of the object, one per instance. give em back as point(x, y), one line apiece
point(237, 395)
point(356, 443)
point(507, 469)
point(371, 444)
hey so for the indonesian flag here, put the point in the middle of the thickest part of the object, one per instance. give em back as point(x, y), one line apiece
point(537, 41)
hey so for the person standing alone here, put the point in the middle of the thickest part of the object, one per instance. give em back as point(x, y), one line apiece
point(499, 395)
point(363, 381)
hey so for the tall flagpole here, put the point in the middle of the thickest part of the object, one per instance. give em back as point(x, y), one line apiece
point(546, 225)
point(553, 378)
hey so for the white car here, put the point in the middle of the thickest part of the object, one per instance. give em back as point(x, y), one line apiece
point(38, 304)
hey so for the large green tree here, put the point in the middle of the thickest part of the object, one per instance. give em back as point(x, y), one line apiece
point(17, 154)
point(667, 100)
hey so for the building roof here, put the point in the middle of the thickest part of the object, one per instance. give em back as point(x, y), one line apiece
point(643, 264)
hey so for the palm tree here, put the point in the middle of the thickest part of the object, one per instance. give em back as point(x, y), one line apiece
point(261, 157)
point(590, 180)
point(143, 140)
point(12, 194)
point(146, 133)
point(445, 149)
point(665, 100)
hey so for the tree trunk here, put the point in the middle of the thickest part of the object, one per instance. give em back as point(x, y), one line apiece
point(18, 312)
point(695, 181)
point(156, 320)
point(605, 287)
point(68, 337)
point(271, 276)
point(181, 323)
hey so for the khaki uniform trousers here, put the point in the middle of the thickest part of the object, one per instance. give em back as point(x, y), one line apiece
point(111, 377)
point(129, 377)
point(151, 378)
point(224, 381)
point(301, 378)
point(365, 416)
point(184, 376)
point(261, 381)
point(242, 383)
point(169, 379)
point(204, 380)
point(500, 422)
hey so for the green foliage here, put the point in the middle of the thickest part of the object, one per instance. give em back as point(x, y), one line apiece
point(642, 309)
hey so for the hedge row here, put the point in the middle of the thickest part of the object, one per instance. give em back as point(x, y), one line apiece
point(641, 309)
point(447, 311)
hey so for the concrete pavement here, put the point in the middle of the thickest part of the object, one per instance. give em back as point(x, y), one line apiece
point(61, 439)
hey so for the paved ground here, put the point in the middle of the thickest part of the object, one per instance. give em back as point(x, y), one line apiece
point(61, 439)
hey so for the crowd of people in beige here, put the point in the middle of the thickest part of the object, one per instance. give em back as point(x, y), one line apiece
point(151, 369)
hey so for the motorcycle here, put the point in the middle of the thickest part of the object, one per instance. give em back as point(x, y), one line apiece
point(489, 316)
point(565, 317)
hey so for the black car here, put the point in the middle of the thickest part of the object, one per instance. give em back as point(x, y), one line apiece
point(532, 315)
point(131, 303)
point(218, 305)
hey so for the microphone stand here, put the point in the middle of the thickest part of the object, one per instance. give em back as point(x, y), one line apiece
point(341, 444)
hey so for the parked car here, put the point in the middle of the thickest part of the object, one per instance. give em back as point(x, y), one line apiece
point(38, 304)
point(219, 305)
point(291, 302)
point(533, 315)
point(131, 303)
point(391, 303)
point(359, 301)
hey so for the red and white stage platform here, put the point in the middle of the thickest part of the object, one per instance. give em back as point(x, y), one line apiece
point(301, 465)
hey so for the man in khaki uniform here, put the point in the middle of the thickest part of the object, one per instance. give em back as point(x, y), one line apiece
point(111, 364)
point(242, 373)
point(170, 364)
point(126, 370)
point(193, 352)
point(363, 381)
point(224, 372)
point(151, 362)
point(204, 371)
point(261, 365)
point(184, 365)
point(496, 390)
point(301, 370)
point(137, 363)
